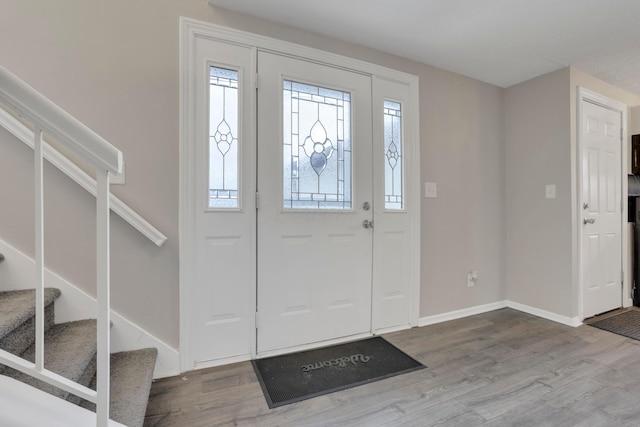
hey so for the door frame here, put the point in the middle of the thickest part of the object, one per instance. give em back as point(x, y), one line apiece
point(587, 95)
point(190, 30)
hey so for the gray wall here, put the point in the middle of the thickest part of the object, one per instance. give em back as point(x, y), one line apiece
point(463, 229)
point(538, 153)
point(114, 65)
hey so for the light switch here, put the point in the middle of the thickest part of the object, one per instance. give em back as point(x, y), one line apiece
point(430, 190)
point(550, 191)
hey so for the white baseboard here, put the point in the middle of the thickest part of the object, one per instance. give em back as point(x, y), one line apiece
point(478, 309)
point(465, 312)
point(569, 321)
point(17, 272)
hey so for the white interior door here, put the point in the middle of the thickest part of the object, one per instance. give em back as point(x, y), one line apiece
point(314, 178)
point(601, 209)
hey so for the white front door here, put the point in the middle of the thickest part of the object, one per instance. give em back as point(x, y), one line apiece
point(293, 266)
point(315, 203)
point(601, 218)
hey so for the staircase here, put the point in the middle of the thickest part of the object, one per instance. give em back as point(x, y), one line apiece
point(70, 351)
point(63, 359)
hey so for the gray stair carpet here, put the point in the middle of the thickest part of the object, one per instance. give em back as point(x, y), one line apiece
point(69, 350)
point(17, 318)
point(131, 378)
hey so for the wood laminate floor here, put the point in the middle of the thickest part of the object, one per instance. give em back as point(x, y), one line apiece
point(502, 368)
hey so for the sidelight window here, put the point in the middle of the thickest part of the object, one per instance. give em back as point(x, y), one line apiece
point(393, 159)
point(223, 138)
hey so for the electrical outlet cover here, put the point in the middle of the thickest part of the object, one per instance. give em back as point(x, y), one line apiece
point(550, 191)
point(430, 190)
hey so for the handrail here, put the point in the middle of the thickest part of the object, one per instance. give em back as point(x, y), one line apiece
point(53, 120)
point(48, 118)
point(24, 134)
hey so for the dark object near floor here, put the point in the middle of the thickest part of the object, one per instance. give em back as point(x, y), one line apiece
point(298, 376)
point(626, 324)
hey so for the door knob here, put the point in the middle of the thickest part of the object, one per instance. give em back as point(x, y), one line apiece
point(585, 206)
point(367, 224)
point(588, 220)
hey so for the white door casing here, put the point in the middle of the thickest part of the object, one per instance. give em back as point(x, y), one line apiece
point(218, 248)
point(601, 206)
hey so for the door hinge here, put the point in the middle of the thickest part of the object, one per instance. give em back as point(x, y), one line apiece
point(622, 278)
point(257, 200)
point(255, 81)
point(621, 205)
point(257, 318)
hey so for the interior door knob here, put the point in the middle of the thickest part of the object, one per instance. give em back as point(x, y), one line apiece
point(367, 224)
point(588, 220)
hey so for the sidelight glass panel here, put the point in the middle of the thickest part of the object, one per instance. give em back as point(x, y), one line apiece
point(393, 160)
point(317, 147)
point(223, 138)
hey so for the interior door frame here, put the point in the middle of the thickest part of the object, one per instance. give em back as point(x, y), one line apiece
point(587, 95)
point(190, 30)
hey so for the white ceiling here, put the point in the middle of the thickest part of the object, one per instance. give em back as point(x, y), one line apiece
point(502, 42)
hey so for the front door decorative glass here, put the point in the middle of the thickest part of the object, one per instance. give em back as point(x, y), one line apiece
point(317, 147)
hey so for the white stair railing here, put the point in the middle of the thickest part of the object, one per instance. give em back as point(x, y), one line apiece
point(73, 171)
point(48, 118)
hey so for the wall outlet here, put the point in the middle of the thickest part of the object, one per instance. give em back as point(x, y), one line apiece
point(472, 278)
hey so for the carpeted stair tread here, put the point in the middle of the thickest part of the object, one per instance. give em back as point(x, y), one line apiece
point(16, 307)
point(19, 306)
point(69, 351)
point(131, 378)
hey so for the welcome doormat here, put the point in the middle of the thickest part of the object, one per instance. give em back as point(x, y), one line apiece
point(298, 376)
point(626, 324)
